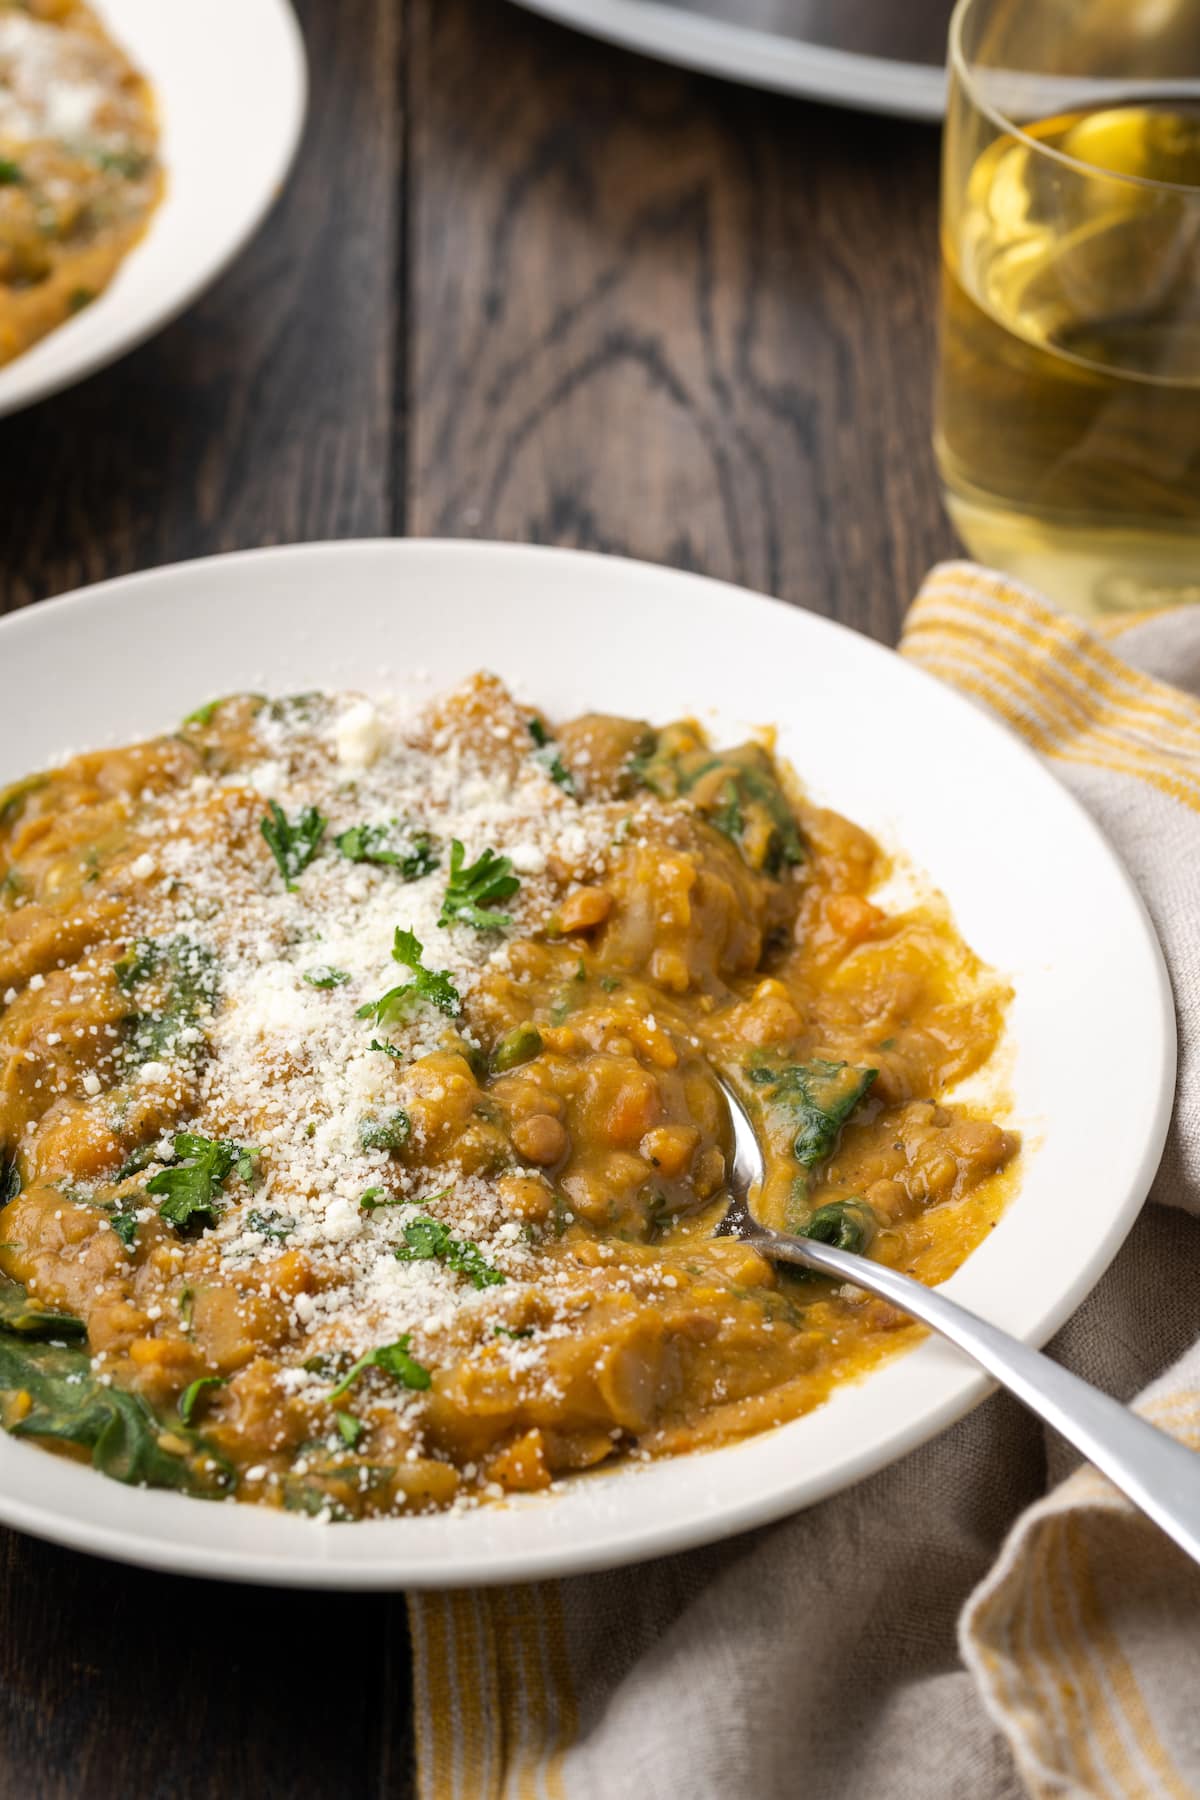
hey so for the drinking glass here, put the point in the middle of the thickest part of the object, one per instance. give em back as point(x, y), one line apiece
point(1068, 405)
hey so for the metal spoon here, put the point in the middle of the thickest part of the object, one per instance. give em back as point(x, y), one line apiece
point(1159, 1474)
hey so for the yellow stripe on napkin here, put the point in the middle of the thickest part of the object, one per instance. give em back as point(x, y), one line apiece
point(493, 1696)
point(1053, 681)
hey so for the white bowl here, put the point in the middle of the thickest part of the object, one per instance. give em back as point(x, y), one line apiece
point(231, 85)
point(1034, 886)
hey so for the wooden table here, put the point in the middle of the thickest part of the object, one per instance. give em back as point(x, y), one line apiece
point(520, 286)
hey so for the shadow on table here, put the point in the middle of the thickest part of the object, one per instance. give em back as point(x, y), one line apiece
point(137, 1685)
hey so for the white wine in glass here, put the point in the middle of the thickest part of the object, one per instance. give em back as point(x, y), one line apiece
point(1068, 416)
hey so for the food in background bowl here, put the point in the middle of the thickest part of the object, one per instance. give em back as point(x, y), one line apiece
point(79, 169)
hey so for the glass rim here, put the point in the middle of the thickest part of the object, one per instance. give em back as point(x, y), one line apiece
point(958, 66)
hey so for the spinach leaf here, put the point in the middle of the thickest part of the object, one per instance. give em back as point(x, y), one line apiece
point(846, 1224)
point(136, 1161)
point(24, 1317)
point(142, 959)
point(393, 845)
point(293, 846)
point(728, 816)
point(48, 1390)
point(191, 1394)
point(10, 1177)
point(124, 1222)
point(473, 887)
point(130, 163)
point(13, 797)
point(737, 790)
point(813, 1100)
point(182, 977)
point(306, 1497)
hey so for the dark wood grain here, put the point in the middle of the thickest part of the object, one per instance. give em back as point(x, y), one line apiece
point(662, 316)
point(521, 286)
point(119, 1684)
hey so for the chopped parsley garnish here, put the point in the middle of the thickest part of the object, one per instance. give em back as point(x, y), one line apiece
point(325, 977)
point(293, 846)
point(386, 1049)
point(192, 1393)
point(428, 1239)
point(80, 297)
point(432, 985)
point(485, 882)
point(202, 715)
point(10, 1178)
point(414, 853)
point(393, 1359)
point(192, 1187)
point(349, 1428)
point(526, 1331)
point(549, 759)
point(274, 1226)
point(391, 1133)
point(609, 983)
point(375, 1197)
point(10, 173)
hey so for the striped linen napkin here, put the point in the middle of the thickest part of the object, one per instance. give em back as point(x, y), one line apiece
point(977, 1621)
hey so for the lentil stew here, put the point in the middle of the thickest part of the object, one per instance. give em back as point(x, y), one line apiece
point(359, 1144)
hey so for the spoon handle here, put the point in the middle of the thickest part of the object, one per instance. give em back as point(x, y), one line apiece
point(1159, 1474)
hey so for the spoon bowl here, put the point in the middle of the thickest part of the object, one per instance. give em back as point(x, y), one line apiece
point(1157, 1473)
